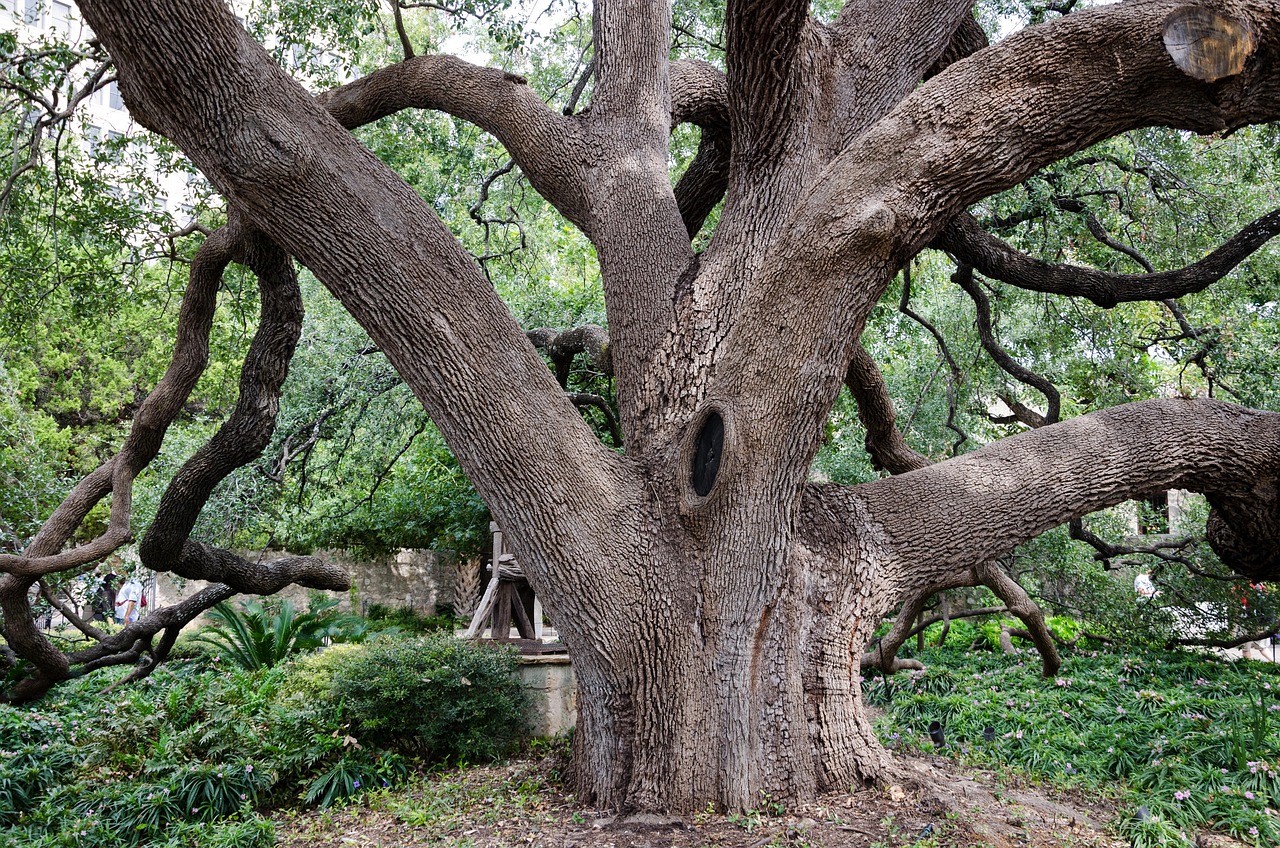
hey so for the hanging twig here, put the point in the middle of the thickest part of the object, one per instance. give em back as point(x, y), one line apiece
point(955, 376)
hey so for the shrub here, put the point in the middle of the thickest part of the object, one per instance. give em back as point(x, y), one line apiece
point(310, 677)
point(354, 774)
point(249, 831)
point(445, 698)
point(191, 648)
point(407, 620)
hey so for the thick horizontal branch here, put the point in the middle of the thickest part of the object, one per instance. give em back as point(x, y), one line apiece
point(968, 242)
point(1019, 487)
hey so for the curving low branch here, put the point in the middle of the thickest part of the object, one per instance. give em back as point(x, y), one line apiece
point(890, 452)
point(884, 656)
point(45, 554)
point(544, 143)
point(166, 546)
point(1007, 589)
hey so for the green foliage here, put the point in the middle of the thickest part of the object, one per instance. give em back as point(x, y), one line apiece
point(1193, 741)
point(310, 677)
point(264, 633)
point(406, 620)
point(261, 634)
point(187, 757)
point(449, 699)
point(137, 769)
point(354, 774)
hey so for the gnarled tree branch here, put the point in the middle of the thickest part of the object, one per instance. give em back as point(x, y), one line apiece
point(885, 443)
point(700, 95)
point(1048, 476)
point(963, 277)
point(546, 145)
point(968, 242)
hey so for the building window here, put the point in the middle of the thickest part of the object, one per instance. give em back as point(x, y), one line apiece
point(113, 96)
point(94, 135)
point(31, 11)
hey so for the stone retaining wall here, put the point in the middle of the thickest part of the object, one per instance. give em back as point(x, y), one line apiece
point(418, 579)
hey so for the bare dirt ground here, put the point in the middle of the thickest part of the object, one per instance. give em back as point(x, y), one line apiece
point(935, 803)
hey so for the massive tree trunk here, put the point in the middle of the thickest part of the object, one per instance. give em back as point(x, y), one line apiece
point(716, 603)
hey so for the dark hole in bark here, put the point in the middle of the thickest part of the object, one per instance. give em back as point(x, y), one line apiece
point(707, 453)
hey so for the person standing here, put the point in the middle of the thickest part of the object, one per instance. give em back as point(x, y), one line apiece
point(128, 601)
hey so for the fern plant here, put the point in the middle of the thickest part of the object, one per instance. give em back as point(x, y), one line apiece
point(261, 635)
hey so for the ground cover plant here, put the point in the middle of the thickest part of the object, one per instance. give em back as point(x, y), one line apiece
point(1190, 742)
point(195, 752)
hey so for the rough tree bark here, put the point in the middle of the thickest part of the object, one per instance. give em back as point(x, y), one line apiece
point(716, 603)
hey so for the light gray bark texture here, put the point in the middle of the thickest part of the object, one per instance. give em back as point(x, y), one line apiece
point(717, 635)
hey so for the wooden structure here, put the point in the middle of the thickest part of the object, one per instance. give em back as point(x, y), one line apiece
point(509, 601)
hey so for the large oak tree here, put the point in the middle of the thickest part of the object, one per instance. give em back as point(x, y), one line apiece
point(716, 602)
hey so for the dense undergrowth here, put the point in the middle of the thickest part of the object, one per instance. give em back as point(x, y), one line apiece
point(192, 755)
point(1187, 741)
point(196, 754)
